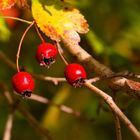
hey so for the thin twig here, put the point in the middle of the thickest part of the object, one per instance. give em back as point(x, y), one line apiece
point(84, 57)
point(33, 122)
point(118, 127)
point(108, 99)
point(95, 79)
point(8, 128)
point(126, 74)
point(55, 80)
point(12, 65)
point(27, 115)
point(95, 66)
point(63, 108)
point(18, 19)
point(60, 53)
point(117, 121)
point(39, 34)
point(19, 47)
point(6, 94)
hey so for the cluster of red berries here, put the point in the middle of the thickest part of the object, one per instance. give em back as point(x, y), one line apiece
point(23, 82)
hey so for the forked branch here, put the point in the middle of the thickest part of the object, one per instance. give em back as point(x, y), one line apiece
point(108, 99)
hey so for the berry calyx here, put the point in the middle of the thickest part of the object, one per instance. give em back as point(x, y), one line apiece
point(75, 74)
point(46, 53)
point(23, 83)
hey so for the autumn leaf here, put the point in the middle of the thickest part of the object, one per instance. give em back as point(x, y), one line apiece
point(59, 20)
point(133, 86)
point(5, 4)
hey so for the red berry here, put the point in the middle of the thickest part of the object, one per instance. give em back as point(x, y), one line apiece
point(75, 74)
point(23, 83)
point(46, 54)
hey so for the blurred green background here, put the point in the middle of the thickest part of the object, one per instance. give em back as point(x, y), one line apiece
point(114, 40)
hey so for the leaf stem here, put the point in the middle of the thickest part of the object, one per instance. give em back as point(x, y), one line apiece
point(18, 19)
point(20, 43)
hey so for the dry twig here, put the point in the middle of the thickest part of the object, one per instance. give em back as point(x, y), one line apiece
point(8, 127)
point(108, 99)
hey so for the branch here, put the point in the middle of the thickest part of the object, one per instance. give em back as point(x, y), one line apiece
point(11, 64)
point(55, 80)
point(108, 99)
point(8, 128)
point(118, 127)
point(33, 122)
point(63, 108)
point(117, 121)
point(100, 69)
point(26, 113)
point(126, 74)
point(82, 56)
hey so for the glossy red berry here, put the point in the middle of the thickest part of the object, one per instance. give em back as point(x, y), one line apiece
point(46, 54)
point(23, 83)
point(75, 74)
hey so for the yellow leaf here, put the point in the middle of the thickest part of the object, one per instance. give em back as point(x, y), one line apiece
point(59, 20)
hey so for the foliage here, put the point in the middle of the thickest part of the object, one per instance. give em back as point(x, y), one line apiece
point(62, 20)
point(113, 40)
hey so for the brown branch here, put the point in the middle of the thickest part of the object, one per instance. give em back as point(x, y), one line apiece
point(126, 74)
point(55, 80)
point(108, 99)
point(132, 89)
point(100, 69)
point(8, 128)
point(11, 64)
point(33, 122)
point(63, 108)
point(87, 59)
point(118, 127)
point(117, 121)
point(95, 79)
point(116, 83)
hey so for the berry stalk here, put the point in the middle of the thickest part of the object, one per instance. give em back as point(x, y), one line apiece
point(39, 34)
point(20, 43)
point(18, 19)
point(60, 53)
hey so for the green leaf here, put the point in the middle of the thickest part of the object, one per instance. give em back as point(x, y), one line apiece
point(4, 31)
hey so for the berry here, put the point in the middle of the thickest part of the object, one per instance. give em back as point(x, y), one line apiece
point(23, 83)
point(46, 54)
point(75, 74)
